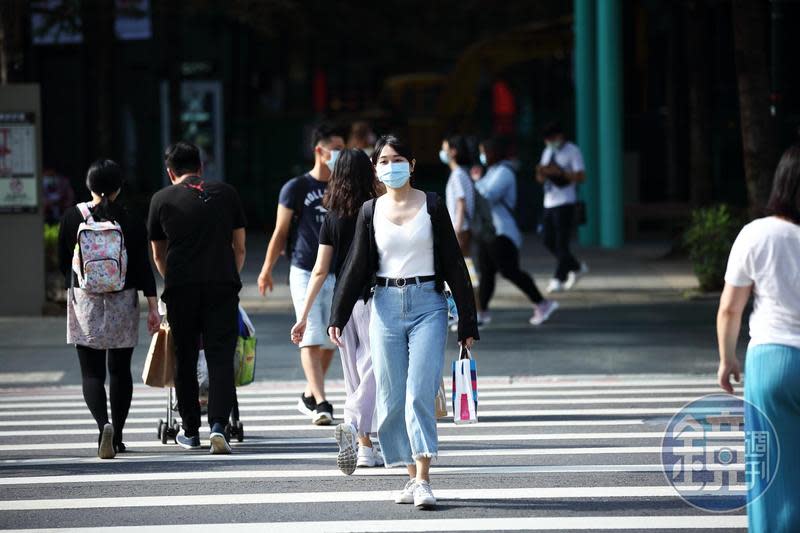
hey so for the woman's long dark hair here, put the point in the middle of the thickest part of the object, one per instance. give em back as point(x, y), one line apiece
point(352, 183)
point(104, 178)
point(784, 201)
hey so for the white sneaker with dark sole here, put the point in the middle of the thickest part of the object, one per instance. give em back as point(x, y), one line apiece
point(106, 448)
point(407, 494)
point(346, 439)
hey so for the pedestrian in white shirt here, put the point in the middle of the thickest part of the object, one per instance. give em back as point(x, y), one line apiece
point(560, 169)
point(765, 262)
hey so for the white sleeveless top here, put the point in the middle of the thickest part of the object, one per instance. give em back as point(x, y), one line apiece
point(404, 251)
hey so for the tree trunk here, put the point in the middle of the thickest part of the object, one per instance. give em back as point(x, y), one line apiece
point(759, 138)
point(99, 47)
point(700, 180)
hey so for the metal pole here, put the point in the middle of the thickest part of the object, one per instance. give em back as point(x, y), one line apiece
point(586, 115)
point(610, 115)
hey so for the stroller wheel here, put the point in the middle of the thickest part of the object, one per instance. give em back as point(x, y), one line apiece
point(239, 431)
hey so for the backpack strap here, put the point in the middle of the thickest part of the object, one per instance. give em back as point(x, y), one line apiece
point(83, 207)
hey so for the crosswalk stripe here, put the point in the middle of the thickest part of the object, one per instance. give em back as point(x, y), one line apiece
point(482, 452)
point(486, 383)
point(537, 523)
point(151, 422)
point(329, 441)
point(26, 410)
point(330, 473)
point(528, 493)
point(310, 427)
point(140, 399)
point(482, 413)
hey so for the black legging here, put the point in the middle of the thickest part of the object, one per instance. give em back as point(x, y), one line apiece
point(93, 372)
point(501, 255)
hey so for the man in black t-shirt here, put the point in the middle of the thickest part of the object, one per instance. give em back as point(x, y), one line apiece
point(298, 222)
point(197, 233)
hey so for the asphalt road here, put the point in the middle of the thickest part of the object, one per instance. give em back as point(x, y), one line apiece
point(572, 454)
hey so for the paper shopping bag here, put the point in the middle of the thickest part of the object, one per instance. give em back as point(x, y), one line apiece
point(465, 389)
point(159, 367)
point(441, 401)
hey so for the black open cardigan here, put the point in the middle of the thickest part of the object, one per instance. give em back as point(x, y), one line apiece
point(359, 272)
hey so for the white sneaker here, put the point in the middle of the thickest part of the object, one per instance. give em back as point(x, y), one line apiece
point(369, 457)
point(423, 496)
point(555, 286)
point(407, 494)
point(574, 276)
point(542, 312)
point(484, 318)
point(346, 438)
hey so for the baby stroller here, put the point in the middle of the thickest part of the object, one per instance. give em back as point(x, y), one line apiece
point(168, 429)
point(244, 374)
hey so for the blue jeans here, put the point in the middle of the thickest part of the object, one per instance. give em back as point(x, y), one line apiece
point(772, 373)
point(407, 335)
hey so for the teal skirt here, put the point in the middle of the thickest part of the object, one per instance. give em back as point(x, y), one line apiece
point(772, 384)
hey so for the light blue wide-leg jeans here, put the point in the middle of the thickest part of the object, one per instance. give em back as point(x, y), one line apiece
point(408, 330)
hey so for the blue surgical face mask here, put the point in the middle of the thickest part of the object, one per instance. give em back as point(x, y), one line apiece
point(482, 158)
point(395, 175)
point(443, 156)
point(332, 161)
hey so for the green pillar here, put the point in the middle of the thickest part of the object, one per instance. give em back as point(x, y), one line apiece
point(609, 121)
point(586, 115)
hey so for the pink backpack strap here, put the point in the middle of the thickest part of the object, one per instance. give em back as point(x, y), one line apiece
point(84, 209)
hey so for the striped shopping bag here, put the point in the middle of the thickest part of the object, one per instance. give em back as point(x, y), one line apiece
point(465, 389)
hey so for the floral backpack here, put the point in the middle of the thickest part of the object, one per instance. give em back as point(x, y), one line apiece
point(100, 259)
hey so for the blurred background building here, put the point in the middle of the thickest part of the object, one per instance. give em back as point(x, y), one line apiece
point(247, 79)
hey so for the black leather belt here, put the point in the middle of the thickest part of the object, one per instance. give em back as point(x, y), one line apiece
point(402, 282)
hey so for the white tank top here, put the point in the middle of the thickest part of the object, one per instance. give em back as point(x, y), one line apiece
point(404, 251)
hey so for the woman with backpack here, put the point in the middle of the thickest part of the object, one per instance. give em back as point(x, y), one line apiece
point(352, 183)
point(103, 254)
point(500, 251)
point(403, 251)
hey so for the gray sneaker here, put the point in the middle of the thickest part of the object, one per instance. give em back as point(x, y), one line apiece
point(346, 438)
point(423, 496)
point(407, 494)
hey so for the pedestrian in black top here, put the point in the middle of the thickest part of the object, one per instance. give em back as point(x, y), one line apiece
point(105, 326)
point(197, 231)
point(352, 183)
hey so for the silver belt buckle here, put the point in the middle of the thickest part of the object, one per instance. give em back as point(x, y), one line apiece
point(398, 282)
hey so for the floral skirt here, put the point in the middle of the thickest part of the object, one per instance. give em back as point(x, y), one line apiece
point(103, 321)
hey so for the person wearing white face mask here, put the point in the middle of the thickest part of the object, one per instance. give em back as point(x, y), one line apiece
point(560, 170)
point(297, 226)
point(403, 252)
point(459, 194)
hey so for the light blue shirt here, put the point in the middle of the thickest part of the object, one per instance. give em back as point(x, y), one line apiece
point(499, 187)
